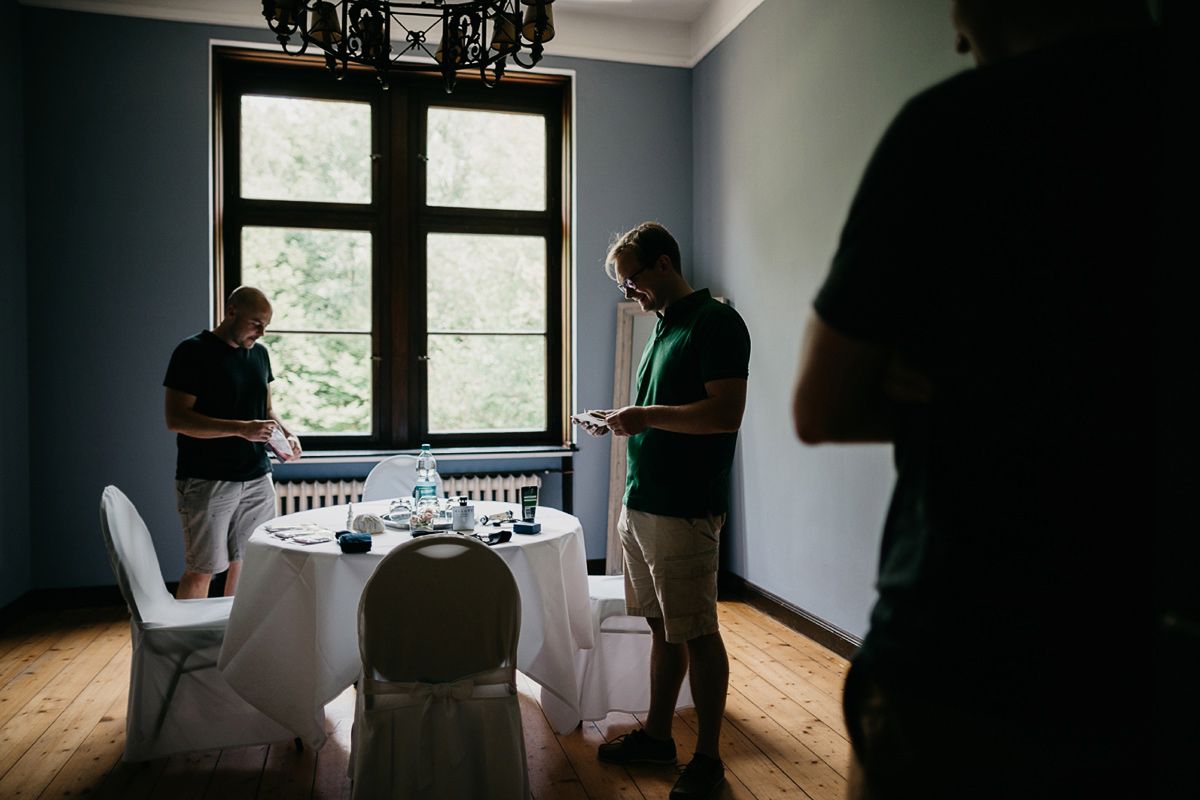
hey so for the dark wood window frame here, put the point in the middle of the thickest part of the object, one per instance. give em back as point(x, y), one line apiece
point(399, 221)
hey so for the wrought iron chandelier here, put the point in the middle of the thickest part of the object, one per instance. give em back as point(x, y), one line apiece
point(471, 34)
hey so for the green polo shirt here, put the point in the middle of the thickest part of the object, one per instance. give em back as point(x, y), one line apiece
point(697, 340)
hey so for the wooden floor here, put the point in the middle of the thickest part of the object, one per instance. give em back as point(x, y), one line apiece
point(64, 678)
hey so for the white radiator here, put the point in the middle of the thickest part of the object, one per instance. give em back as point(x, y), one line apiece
point(296, 496)
point(503, 488)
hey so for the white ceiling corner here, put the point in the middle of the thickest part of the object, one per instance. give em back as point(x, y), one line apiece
point(672, 33)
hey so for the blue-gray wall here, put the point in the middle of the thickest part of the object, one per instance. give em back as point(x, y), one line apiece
point(117, 162)
point(15, 564)
point(786, 112)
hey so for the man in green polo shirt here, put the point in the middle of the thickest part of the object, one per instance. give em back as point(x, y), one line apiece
point(682, 431)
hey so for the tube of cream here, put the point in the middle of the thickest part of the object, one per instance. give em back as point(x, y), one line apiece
point(529, 500)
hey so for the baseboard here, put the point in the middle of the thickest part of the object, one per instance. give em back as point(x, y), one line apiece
point(62, 599)
point(733, 587)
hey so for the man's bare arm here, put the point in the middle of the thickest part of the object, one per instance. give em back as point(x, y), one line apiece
point(182, 417)
point(840, 394)
point(719, 412)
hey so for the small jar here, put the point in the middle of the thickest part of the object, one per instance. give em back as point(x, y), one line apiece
point(424, 515)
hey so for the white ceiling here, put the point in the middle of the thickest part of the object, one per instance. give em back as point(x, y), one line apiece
point(674, 33)
point(672, 10)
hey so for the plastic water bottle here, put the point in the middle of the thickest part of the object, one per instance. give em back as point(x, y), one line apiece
point(427, 474)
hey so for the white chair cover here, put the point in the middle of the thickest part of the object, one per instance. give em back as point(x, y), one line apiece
point(615, 674)
point(393, 477)
point(178, 701)
point(437, 713)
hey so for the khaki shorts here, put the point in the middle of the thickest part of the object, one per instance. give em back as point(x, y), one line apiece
point(671, 571)
point(218, 517)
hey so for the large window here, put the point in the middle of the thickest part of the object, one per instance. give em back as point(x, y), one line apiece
point(412, 243)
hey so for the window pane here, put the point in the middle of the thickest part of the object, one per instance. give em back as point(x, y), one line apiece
point(322, 381)
point(298, 149)
point(485, 283)
point(315, 279)
point(487, 383)
point(485, 159)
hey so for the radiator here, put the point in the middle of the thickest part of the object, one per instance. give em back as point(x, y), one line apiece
point(503, 488)
point(296, 496)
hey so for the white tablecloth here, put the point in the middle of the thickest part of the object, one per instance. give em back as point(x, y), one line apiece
point(292, 641)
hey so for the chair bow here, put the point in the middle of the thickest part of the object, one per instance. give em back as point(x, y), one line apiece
point(447, 695)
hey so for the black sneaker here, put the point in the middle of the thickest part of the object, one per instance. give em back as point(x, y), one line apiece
point(700, 779)
point(637, 747)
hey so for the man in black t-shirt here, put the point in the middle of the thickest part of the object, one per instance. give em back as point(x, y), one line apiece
point(218, 401)
point(987, 311)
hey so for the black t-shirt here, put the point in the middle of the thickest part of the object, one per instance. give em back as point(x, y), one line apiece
point(228, 383)
point(1004, 241)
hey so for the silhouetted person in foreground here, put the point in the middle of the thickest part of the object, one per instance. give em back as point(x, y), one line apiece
point(988, 312)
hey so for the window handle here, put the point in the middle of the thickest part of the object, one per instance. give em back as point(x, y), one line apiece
point(424, 358)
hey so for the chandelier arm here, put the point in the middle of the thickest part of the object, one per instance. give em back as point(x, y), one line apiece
point(385, 47)
point(497, 70)
point(367, 39)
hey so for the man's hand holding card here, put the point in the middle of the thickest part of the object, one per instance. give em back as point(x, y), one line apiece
point(594, 421)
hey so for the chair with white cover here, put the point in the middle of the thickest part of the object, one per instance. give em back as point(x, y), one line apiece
point(615, 674)
point(393, 477)
point(178, 701)
point(437, 713)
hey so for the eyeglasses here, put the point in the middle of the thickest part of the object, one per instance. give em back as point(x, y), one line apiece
point(627, 285)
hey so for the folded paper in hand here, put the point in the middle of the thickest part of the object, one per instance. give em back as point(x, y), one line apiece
point(279, 443)
point(591, 418)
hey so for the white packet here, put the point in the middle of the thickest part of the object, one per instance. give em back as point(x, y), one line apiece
point(279, 444)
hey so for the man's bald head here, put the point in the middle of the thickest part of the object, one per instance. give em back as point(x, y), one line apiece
point(247, 315)
point(247, 298)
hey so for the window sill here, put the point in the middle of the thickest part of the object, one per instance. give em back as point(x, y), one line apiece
point(442, 454)
point(355, 464)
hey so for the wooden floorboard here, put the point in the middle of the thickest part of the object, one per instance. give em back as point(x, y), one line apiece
point(332, 781)
point(50, 752)
point(654, 782)
point(44, 707)
point(63, 693)
point(551, 775)
point(736, 774)
point(15, 633)
point(237, 773)
point(90, 764)
point(36, 661)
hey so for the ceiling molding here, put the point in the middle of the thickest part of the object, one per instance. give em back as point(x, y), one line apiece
point(719, 19)
point(613, 38)
point(581, 34)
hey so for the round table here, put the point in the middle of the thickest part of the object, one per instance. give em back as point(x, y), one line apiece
point(292, 641)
